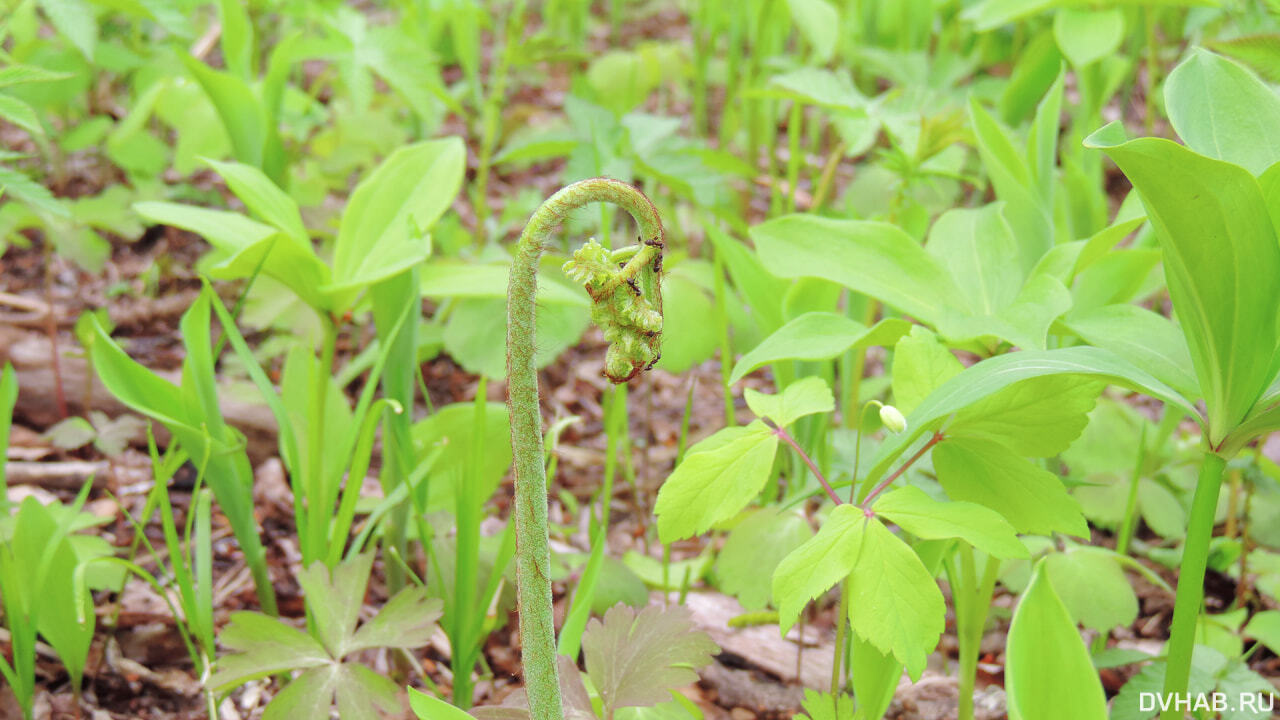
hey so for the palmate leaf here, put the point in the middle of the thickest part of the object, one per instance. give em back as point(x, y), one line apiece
point(634, 659)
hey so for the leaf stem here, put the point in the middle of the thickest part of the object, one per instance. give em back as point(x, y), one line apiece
point(786, 438)
point(1195, 557)
point(533, 556)
point(866, 502)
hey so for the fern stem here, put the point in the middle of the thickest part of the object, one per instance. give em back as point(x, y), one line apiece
point(533, 557)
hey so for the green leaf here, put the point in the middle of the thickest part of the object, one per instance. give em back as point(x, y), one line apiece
point(69, 434)
point(819, 22)
point(1093, 588)
point(406, 621)
point(753, 550)
point(990, 14)
point(382, 226)
point(1222, 111)
point(427, 707)
point(262, 646)
point(263, 199)
point(634, 659)
point(253, 138)
point(1146, 339)
point(1016, 184)
point(988, 473)
point(309, 695)
point(1057, 685)
point(818, 336)
point(718, 478)
point(894, 602)
point(1087, 36)
point(873, 258)
point(804, 397)
point(1222, 263)
point(921, 365)
point(976, 245)
point(825, 706)
point(450, 434)
point(335, 598)
point(76, 20)
point(21, 114)
point(445, 278)
point(1265, 628)
point(1037, 417)
point(21, 74)
point(875, 679)
point(995, 374)
point(36, 196)
point(911, 509)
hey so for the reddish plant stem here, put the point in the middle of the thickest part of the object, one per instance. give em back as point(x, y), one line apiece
point(937, 437)
point(786, 437)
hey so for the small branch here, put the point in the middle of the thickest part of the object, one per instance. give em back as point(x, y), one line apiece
point(786, 437)
point(937, 437)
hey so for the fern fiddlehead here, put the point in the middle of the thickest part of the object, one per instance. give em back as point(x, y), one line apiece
point(625, 288)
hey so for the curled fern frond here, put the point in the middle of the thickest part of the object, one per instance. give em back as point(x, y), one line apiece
point(626, 303)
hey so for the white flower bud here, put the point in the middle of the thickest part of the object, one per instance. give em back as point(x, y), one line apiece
point(892, 418)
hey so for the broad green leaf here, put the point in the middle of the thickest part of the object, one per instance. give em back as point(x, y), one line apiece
point(988, 473)
point(633, 659)
point(1087, 36)
point(990, 14)
point(976, 246)
point(921, 365)
point(1222, 111)
point(816, 566)
point(475, 334)
point(753, 550)
point(994, 374)
point(427, 707)
point(713, 485)
point(911, 509)
point(264, 199)
point(1222, 263)
point(1057, 685)
point(362, 694)
point(685, 340)
point(1093, 588)
point(819, 22)
point(449, 434)
point(1027, 320)
point(253, 138)
point(382, 226)
point(875, 679)
point(310, 695)
point(1142, 337)
point(1259, 51)
point(262, 646)
point(758, 287)
point(804, 397)
point(77, 21)
point(21, 114)
point(1038, 417)
point(444, 278)
point(877, 259)
point(894, 602)
point(817, 336)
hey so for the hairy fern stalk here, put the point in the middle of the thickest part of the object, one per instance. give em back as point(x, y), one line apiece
point(626, 292)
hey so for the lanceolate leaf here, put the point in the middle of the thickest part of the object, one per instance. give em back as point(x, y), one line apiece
point(1222, 262)
point(1142, 337)
point(917, 513)
point(714, 483)
point(995, 374)
point(818, 336)
point(1057, 685)
point(633, 660)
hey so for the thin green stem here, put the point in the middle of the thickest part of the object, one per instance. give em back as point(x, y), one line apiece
point(1131, 503)
point(1195, 556)
point(842, 630)
point(533, 556)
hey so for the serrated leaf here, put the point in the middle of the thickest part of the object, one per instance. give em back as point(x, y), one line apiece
point(817, 336)
point(921, 364)
point(634, 659)
point(21, 114)
point(825, 706)
point(989, 473)
point(917, 513)
point(894, 603)
point(262, 646)
point(1057, 685)
point(713, 484)
point(804, 397)
point(1093, 588)
point(1038, 417)
point(816, 566)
